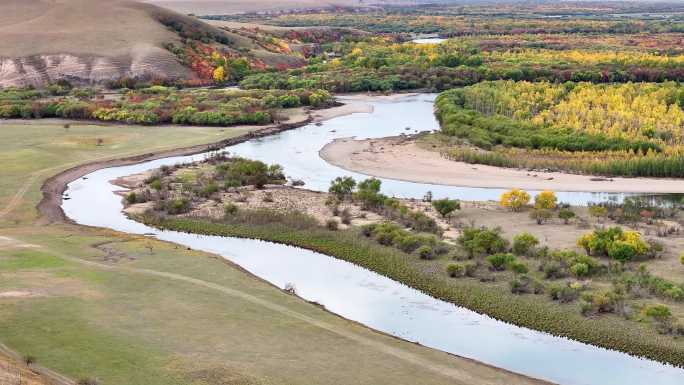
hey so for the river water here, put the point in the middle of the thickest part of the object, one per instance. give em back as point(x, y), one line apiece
point(362, 295)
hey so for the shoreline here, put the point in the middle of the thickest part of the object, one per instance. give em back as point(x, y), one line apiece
point(402, 159)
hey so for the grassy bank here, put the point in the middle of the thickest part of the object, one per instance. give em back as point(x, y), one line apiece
point(496, 301)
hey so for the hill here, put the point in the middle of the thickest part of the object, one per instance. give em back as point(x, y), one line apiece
point(84, 41)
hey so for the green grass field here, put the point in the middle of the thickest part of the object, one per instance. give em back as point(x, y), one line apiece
point(130, 310)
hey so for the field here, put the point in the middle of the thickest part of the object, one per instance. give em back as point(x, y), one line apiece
point(89, 303)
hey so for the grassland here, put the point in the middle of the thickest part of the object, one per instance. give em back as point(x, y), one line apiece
point(130, 310)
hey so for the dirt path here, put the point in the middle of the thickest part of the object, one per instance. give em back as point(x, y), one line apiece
point(402, 159)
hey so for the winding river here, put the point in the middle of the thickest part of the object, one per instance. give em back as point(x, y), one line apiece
point(362, 295)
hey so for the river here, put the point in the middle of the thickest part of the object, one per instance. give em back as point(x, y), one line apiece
point(362, 295)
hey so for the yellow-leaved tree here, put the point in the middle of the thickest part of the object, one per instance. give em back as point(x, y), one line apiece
point(545, 200)
point(219, 74)
point(515, 199)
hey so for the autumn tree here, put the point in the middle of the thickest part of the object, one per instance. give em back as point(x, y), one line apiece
point(545, 200)
point(219, 75)
point(515, 199)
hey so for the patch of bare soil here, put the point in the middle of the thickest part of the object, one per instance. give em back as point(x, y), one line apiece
point(402, 159)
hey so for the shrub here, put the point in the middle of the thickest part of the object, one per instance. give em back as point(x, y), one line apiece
point(470, 268)
point(29, 360)
point(230, 209)
point(331, 224)
point(615, 243)
point(500, 261)
point(156, 184)
point(598, 211)
point(446, 206)
point(247, 172)
point(545, 200)
point(524, 243)
point(566, 215)
point(409, 243)
point(563, 293)
point(541, 215)
point(425, 252)
point(524, 284)
point(482, 241)
point(131, 198)
point(456, 270)
point(621, 251)
point(178, 206)
point(518, 267)
point(515, 199)
point(579, 270)
point(659, 313)
point(681, 259)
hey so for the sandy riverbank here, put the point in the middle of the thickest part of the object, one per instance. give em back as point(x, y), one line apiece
point(402, 159)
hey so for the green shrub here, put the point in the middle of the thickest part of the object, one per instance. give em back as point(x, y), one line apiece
point(500, 261)
point(579, 270)
point(541, 215)
point(524, 243)
point(456, 270)
point(178, 206)
point(446, 206)
point(482, 241)
point(132, 198)
point(518, 267)
point(425, 252)
point(566, 215)
point(621, 251)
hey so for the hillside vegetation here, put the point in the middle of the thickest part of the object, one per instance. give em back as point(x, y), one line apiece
point(42, 42)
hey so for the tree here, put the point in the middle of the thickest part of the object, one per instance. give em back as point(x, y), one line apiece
point(566, 215)
point(342, 187)
point(541, 215)
point(598, 212)
point(219, 75)
point(545, 200)
point(368, 192)
point(515, 199)
point(446, 206)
